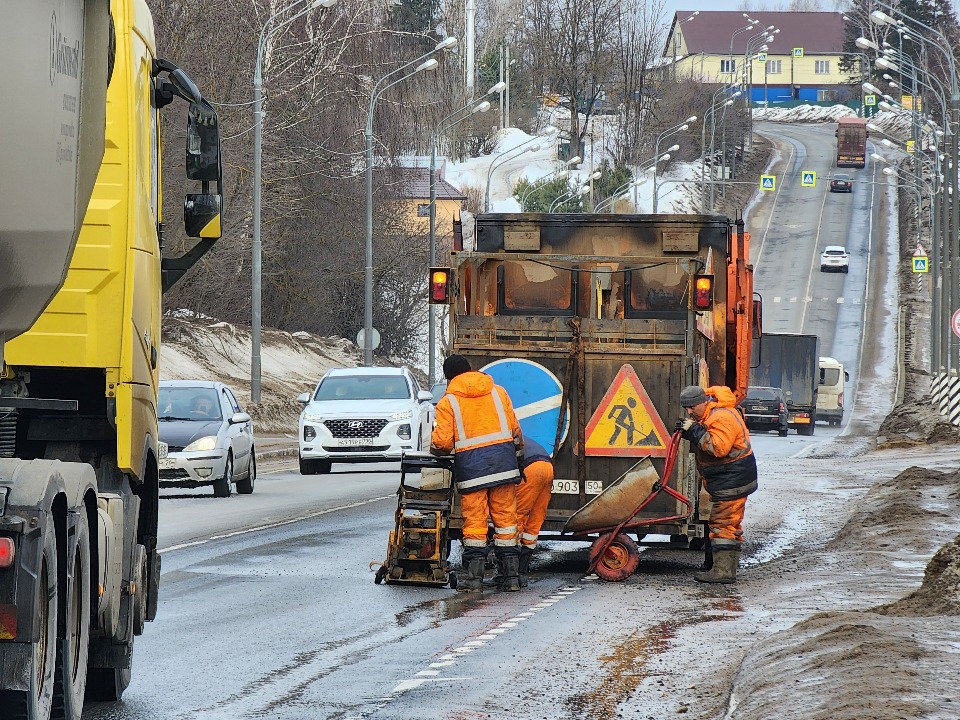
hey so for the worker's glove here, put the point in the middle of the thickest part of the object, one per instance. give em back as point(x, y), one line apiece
point(693, 432)
point(684, 424)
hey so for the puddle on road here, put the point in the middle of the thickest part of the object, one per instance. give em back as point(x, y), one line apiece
point(446, 608)
point(628, 664)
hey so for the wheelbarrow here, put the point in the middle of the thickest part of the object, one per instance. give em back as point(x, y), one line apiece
point(418, 544)
point(613, 555)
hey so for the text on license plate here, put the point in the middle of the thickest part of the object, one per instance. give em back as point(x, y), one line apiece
point(572, 487)
point(168, 463)
point(354, 442)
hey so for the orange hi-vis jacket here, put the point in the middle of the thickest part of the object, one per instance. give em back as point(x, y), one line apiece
point(475, 420)
point(724, 454)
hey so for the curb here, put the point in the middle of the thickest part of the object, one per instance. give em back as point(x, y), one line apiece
point(283, 452)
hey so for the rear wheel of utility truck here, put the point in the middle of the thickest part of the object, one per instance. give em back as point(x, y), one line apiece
point(40, 657)
point(74, 647)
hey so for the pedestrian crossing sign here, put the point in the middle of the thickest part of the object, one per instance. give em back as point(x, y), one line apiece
point(626, 423)
point(798, 52)
point(768, 182)
point(920, 265)
point(808, 178)
point(762, 57)
point(870, 100)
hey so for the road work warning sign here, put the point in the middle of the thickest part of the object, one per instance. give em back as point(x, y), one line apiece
point(768, 182)
point(626, 423)
point(808, 178)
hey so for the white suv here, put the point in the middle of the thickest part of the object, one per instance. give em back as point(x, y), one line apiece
point(363, 415)
point(834, 258)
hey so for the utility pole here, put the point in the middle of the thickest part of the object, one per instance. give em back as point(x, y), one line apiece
point(506, 93)
point(469, 51)
point(500, 49)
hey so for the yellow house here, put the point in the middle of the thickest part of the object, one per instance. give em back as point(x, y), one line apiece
point(802, 62)
point(415, 192)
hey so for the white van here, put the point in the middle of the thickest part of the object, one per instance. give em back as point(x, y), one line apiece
point(830, 392)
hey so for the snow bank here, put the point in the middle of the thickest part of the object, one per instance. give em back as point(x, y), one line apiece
point(803, 113)
point(291, 363)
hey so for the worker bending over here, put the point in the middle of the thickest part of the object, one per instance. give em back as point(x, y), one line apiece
point(721, 443)
point(475, 420)
point(533, 496)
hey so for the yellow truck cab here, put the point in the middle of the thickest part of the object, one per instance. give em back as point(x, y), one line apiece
point(830, 392)
point(80, 314)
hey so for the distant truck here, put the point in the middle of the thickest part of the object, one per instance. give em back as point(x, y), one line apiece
point(852, 142)
point(830, 394)
point(792, 363)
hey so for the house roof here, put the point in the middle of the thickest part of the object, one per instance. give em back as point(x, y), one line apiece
point(710, 31)
point(416, 186)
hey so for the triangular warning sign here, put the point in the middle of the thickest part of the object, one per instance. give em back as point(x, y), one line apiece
point(626, 423)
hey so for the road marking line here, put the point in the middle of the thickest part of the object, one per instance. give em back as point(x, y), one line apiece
point(793, 299)
point(526, 614)
point(516, 619)
point(496, 630)
point(486, 637)
point(448, 663)
point(428, 673)
point(474, 643)
point(508, 625)
point(813, 260)
point(464, 649)
point(773, 207)
point(776, 299)
point(411, 684)
point(840, 300)
point(448, 657)
point(270, 526)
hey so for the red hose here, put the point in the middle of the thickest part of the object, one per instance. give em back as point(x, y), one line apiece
point(661, 486)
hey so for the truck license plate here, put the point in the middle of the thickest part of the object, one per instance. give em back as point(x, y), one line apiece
point(168, 463)
point(572, 487)
point(354, 442)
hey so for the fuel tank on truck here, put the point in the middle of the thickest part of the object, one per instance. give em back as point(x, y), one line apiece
point(56, 57)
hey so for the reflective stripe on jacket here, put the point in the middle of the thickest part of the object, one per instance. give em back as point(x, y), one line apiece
point(724, 453)
point(475, 420)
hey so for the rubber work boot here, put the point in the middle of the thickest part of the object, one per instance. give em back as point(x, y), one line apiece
point(525, 554)
point(497, 580)
point(473, 583)
point(511, 572)
point(724, 570)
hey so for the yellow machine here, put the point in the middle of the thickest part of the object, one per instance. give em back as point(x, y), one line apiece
point(78, 389)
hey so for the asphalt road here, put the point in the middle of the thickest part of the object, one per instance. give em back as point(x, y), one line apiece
point(268, 608)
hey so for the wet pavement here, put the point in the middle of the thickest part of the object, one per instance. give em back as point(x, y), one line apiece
point(268, 607)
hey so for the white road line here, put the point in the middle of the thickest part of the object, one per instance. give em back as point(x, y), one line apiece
point(839, 300)
point(776, 299)
point(291, 521)
point(813, 260)
point(773, 207)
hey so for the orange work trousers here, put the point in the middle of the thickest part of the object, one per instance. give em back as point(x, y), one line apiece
point(498, 502)
point(533, 496)
point(726, 520)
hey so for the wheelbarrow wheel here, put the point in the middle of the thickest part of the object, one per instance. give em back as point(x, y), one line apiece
point(381, 574)
point(620, 559)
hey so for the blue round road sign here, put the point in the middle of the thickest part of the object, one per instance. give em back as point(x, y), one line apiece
point(536, 394)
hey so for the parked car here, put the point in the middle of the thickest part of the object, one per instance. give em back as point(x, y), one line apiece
point(205, 438)
point(834, 259)
point(841, 183)
point(765, 408)
point(363, 415)
point(438, 390)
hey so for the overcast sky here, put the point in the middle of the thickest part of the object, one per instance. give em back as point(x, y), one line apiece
point(674, 5)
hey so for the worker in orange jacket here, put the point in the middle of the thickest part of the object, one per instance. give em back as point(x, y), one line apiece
point(533, 497)
point(719, 439)
point(475, 420)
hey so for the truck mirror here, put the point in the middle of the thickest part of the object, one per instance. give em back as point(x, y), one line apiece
point(201, 215)
point(846, 376)
point(757, 319)
point(203, 143)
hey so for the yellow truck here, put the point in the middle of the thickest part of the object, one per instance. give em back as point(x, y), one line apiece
point(81, 276)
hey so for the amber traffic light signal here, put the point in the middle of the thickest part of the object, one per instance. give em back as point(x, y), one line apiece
point(440, 285)
point(703, 292)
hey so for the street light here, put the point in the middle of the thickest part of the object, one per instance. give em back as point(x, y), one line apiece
point(556, 175)
point(546, 137)
point(425, 65)
point(678, 128)
point(481, 107)
point(256, 263)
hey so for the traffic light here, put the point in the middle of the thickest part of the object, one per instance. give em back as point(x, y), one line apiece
point(703, 292)
point(440, 285)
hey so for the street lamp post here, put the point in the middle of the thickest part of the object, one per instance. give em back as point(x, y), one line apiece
point(512, 154)
point(678, 128)
point(477, 107)
point(424, 64)
point(256, 264)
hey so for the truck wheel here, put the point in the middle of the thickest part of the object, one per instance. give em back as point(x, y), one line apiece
point(37, 702)
point(140, 589)
point(71, 679)
point(245, 486)
point(221, 486)
point(620, 559)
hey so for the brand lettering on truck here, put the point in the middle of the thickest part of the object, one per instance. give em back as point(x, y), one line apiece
point(64, 58)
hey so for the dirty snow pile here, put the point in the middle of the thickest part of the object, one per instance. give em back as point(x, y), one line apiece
point(291, 363)
point(803, 113)
point(888, 662)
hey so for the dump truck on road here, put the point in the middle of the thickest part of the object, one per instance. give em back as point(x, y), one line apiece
point(80, 287)
point(593, 324)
